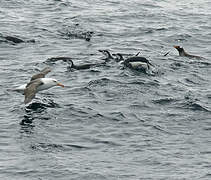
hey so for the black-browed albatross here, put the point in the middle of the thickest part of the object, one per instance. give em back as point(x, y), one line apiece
point(37, 83)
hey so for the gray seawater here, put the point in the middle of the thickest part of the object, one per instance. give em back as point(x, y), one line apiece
point(108, 122)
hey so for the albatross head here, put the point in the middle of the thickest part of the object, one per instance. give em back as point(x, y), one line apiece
point(48, 83)
point(52, 82)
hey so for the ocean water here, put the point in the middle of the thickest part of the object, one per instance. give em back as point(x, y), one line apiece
point(109, 122)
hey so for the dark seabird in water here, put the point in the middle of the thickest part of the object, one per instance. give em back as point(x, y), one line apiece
point(69, 61)
point(16, 40)
point(80, 67)
point(13, 39)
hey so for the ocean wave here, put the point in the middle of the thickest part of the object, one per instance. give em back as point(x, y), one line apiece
point(195, 106)
point(76, 31)
point(164, 101)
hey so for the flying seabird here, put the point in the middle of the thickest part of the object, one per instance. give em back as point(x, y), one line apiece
point(41, 74)
point(185, 54)
point(37, 83)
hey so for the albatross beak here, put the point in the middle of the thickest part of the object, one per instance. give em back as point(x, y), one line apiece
point(59, 84)
point(176, 47)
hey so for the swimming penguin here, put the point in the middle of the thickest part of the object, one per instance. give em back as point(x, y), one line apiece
point(119, 56)
point(138, 63)
point(13, 39)
point(79, 67)
point(107, 54)
point(185, 54)
point(135, 62)
point(69, 61)
point(16, 40)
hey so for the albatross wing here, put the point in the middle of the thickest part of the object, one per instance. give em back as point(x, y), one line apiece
point(31, 90)
point(41, 74)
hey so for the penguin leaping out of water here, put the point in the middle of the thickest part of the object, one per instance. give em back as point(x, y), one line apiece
point(134, 62)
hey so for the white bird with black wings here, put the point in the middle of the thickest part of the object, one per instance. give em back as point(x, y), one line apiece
point(37, 83)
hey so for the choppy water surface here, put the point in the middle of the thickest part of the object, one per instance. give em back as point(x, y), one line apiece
point(109, 122)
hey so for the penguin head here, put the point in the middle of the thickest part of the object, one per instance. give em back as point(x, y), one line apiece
point(70, 62)
point(179, 49)
point(106, 53)
point(118, 56)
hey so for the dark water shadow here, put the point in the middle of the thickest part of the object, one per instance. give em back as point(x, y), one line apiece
point(13, 39)
point(75, 31)
point(192, 103)
point(35, 110)
point(52, 147)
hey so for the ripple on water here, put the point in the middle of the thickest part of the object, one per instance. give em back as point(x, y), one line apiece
point(41, 105)
point(109, 122)
point(164, 101)
point(47, 147)
point(193, 105)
